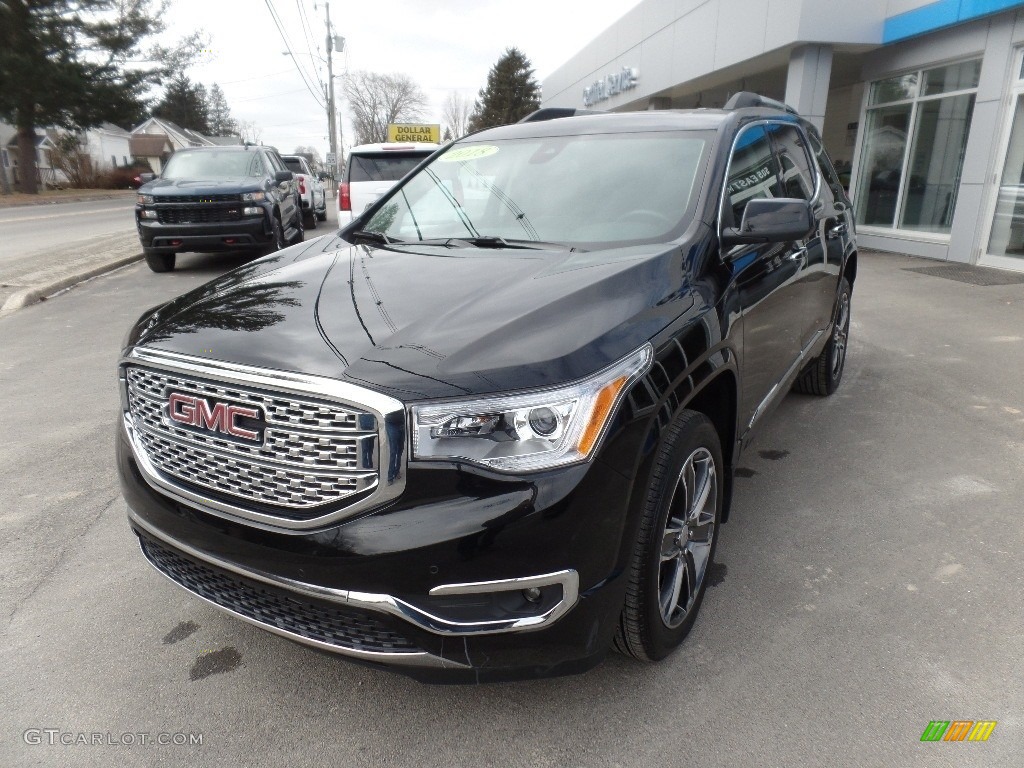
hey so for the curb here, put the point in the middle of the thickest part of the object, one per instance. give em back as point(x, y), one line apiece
point(36, 293)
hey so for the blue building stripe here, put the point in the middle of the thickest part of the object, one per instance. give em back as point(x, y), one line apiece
point(941, 13)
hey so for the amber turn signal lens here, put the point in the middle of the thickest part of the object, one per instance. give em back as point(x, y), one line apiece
point(602, 407)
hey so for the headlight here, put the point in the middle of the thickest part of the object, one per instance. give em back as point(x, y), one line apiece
point(528, 432)
point(253, 197)
point(144, 199)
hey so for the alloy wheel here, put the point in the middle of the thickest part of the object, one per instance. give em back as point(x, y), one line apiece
point(840, 335)
point(689, 534)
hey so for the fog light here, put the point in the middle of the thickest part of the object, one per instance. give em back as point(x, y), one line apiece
point(252, 210)
point(147, 214)
point(532, 594)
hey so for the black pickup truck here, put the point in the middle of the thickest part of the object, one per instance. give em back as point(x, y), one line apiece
point(218, 199)
point(490, 429)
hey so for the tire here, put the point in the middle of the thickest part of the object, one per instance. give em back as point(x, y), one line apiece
point(278, 243)
point(676, 544)
point(160, 262)
point(322, 214)
point(311, 219)
point(300, 227)
point(823, 374)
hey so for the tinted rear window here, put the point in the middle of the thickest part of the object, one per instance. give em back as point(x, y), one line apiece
point(390, 167)
point(295, 166)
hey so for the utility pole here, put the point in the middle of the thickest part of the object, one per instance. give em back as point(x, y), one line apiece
point(330, 88)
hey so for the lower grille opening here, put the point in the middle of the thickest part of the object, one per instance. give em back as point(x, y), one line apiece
point(342, 628)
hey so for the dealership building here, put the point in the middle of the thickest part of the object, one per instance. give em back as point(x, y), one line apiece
point(920, 104)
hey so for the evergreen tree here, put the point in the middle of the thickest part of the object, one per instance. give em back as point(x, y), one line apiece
point(185, 103)
point(221, 122)
point(76, 63)
point(511, 92)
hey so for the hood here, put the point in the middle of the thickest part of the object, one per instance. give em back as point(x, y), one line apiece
point(227, 185)
point(431, 322)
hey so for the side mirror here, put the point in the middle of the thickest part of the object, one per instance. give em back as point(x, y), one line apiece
point(144, 177)
point(771, 220)
point(282, 176)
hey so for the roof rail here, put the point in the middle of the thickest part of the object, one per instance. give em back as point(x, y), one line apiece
point(553, 113)
point(743, 99)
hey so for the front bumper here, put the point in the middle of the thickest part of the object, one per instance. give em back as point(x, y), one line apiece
point(246, 233)
point(432, 584)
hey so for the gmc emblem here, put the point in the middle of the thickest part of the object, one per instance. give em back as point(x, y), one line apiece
point(195, 412)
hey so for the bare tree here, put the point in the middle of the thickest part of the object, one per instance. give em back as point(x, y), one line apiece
point(68, 157)
point(377, 100)
point(249, 132)
point(455, 114)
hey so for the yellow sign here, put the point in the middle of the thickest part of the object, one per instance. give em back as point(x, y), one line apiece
point(410, 132)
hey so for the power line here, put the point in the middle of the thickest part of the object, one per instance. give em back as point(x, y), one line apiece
point(288, 47)
point(307, 30)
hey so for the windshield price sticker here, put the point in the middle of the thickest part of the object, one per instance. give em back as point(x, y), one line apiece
point(462, 154)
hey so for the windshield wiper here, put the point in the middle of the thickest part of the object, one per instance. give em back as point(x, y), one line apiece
point(492, 241)
point(373, 237)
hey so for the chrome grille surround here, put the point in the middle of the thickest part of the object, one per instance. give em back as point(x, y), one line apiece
point(323, 441)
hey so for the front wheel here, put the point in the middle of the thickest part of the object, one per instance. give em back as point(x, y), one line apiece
point(160, 262)
point(823, 374)
point(677, 539)
point(311, 218)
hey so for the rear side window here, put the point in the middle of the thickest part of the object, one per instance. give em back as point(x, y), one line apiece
point(753, 172)
point(797, 175)
point(389, 167)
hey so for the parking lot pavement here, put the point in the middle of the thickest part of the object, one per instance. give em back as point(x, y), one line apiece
point(867, 583)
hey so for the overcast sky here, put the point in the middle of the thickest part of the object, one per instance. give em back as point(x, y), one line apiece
point(444, 45)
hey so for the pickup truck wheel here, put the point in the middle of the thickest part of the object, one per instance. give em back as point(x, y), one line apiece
point(823, 374)
point(676, 543)
point(321, 215)
point(300, 228)
point(311, 219)
point(278, 243)
point(160, 262)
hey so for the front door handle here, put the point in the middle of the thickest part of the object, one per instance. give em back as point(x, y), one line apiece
point(836, 231)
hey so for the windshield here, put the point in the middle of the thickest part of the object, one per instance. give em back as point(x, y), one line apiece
point(389, 167)
point(607, 189)
point(213, 164)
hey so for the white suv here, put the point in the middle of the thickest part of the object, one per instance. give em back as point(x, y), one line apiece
point(310, 189)
point(372, 170)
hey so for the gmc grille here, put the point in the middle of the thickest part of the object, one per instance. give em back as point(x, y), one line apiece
point(312, 453)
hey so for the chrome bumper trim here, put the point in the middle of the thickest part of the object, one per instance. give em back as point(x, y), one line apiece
point(393, 606)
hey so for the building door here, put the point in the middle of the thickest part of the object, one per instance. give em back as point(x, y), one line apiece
point(1005, 244)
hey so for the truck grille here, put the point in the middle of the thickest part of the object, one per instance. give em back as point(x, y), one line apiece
point(197, 215)
point(271, 607)
point(309, 453)
point(198, 198)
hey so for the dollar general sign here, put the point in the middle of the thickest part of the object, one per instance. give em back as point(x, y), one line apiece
point(410, 132)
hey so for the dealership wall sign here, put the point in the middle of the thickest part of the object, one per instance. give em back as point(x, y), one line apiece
point(611, 85)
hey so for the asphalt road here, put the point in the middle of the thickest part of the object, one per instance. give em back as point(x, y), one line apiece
point(868, 582)
point(30, 230)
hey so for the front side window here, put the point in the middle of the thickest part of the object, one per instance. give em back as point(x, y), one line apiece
point(592, 190)
point(753, 172)
point(916, 130)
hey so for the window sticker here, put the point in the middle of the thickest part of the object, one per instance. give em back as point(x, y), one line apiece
point(472, 152)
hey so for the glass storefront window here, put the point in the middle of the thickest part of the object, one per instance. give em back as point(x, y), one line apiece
point(1007, 237)
point(893, 89)
point(885, 144)
point(916, 192)
point(955, 77)
point(935, 162)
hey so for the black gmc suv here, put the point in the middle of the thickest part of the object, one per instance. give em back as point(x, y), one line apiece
point(490, 429)
point(218, 199)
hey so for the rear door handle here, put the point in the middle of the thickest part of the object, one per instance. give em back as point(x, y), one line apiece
point(836, 231)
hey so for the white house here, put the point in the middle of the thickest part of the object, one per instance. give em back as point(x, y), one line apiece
point(108, 146)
